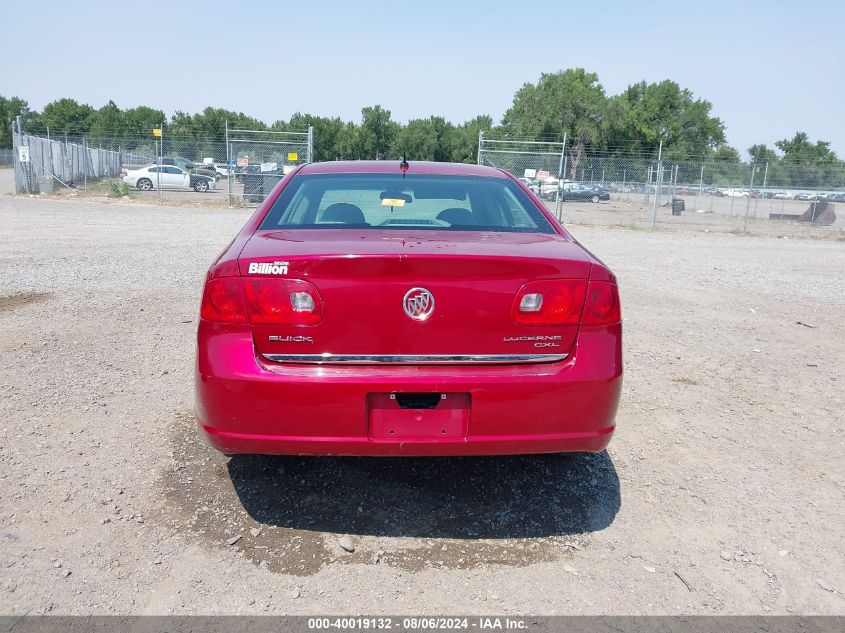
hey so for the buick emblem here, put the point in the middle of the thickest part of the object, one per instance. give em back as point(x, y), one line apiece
point(418, 304)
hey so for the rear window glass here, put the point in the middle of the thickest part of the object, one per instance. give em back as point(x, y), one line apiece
point(385, 201)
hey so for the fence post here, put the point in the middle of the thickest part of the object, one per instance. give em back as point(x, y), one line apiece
point(560, 172)
point(84, 164)
point(701, 181)
point(673, 178)
point(748, 204)
point(763, 190)
point(310, 152)
point(480, 145)
point(160, 161)
point(228, 167)
point(659, 182)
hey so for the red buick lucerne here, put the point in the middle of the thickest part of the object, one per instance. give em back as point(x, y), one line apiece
point(387, 308)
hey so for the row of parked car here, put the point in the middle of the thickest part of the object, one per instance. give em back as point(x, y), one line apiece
point(769, 193)
point(585, 191)
point(550, 190)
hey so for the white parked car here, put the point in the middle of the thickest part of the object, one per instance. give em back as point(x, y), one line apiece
point(735, 193)
point(168, 177)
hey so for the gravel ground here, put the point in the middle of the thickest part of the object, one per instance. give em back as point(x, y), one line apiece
point(722, 492)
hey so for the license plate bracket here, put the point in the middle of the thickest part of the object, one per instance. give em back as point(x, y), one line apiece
point(388, 420)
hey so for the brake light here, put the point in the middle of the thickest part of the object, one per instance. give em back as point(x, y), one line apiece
point(602, 305)
point(550, 302)
point(282, 301)
point(223, 301)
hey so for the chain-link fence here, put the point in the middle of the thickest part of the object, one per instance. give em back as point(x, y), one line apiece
point(239, 168)
point(42, 163)
point(6, 158)
point(540, 165)
point(258, 159)
point(656, 189)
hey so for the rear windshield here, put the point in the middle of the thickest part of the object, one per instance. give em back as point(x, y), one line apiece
point(386, 201)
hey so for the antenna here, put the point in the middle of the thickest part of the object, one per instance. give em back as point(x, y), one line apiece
point(403, 166)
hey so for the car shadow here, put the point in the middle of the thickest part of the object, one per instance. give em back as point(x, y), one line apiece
point(460, 497)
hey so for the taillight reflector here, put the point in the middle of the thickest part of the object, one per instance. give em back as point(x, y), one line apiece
point(223, 301)
point(602, 305)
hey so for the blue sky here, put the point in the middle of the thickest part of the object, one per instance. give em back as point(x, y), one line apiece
point(769, 68)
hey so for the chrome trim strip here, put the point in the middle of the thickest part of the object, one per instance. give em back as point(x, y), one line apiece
point(414, 359)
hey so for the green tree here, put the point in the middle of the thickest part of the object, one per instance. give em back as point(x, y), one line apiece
point(9, 109)
point(424, 139)
point(810, 165)
point(211, 123)
point(141, 120)
point(346, 145)
point(726, 167)
point(67, 116)
point(327, 133)
point(464, 145)
point(644, 114)
point(800, 149)
point(727, 154)
point(376, 133)
point(570, 101)
point(108, 124)
point(763, 154)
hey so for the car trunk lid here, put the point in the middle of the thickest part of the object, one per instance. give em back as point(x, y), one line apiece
point(364, 278)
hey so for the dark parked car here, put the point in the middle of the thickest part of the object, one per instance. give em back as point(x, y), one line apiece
point(194, 168)
point(585, 192)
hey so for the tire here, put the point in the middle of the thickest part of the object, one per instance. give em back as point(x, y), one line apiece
point(201, 186)
point(595, 199)
point(144, 184)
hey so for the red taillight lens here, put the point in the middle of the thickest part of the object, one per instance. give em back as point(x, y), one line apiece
point(550, 302)
point(223, 301)
point(602, 306)
point(282, 301)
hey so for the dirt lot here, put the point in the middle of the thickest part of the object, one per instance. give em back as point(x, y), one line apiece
point(722, 492)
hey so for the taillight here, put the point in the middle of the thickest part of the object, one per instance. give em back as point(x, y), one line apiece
point(282, 301)
point(550, 302)
point(223, 301)
point(566, 302)
point(602, 305)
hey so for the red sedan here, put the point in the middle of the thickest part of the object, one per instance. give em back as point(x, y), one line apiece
point(382, 308)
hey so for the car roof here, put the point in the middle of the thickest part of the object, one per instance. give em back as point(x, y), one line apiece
point(392, 166)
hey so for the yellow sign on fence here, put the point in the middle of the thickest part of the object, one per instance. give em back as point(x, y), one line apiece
point(156, 131)
point(293, 156)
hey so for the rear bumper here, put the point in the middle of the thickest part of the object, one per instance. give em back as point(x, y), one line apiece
point(246, 405)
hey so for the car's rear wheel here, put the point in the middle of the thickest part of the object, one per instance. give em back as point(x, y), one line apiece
point(144, 184)
point(595, 199)
point(201, 186)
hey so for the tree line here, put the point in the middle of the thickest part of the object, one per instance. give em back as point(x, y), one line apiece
point(571, 102)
